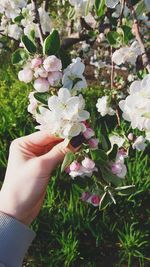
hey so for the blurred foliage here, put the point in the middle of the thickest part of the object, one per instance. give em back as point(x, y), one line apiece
point(69, 232)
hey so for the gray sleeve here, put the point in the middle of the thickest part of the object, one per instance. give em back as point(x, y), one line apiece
point(15, 239)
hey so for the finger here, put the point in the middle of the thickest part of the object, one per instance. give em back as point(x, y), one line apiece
point(40, 138)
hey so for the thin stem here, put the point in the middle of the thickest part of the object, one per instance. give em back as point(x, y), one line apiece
point(138, 35)
point(37, 21)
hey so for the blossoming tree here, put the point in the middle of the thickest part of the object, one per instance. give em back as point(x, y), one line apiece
point(51, 64)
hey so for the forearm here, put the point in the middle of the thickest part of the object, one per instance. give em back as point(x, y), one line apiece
point(15, 239)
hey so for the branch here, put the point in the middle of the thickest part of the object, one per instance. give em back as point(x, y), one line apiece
point(138, 35)
point(37, 21)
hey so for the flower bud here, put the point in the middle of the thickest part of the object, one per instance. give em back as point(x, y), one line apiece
point(93, 142)
point(52, 63)
point(88, 133)
point(85, 196)
point(88, 163)
point(95, 199)
point(54, 78)
point(41, 85)
point(130, 136)
point(25, 75)
point(36, 62)
point(116, 168)
point(75, 166)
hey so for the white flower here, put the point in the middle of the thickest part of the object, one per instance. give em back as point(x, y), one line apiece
point(14, 31)
point(103, 106)
point(111, 3)
point(136, 106)
point(52, 63)
point(12, 8)
point(45, 20)
point(119, 168)
point(32, 107)
point(25, 75)
point(127, 54)
point(118, 10)
point(118, 140)
point(65, 115)
point(139, 143)
point(73, 75)
point(80, 5)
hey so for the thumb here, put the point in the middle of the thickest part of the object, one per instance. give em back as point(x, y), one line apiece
point(56, 155)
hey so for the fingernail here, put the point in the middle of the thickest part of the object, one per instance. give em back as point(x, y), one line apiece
point(77, 140)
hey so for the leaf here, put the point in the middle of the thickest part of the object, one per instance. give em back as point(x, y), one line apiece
point(140, 8)
point(52, 44)
point(18, 19)
point(114, 38)
point(69, 158)
point(128, 36)
point(113, 152)
point(42, 97)
point(125, 190)
point(65, 58)
point(28, 44)
point(19, 56)
point(99, 156)
point(100, 7)
point(105, 201)
point(109, 177)
point(106, 145)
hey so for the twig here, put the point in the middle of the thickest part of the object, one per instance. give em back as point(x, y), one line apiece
point(112, 70)
point(37, 21)
point(145, 59)
point(122, 10)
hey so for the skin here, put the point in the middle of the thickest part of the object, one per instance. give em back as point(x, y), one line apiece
point(31, 161)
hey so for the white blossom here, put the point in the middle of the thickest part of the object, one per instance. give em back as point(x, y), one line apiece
point(111, 3)
point(127, 54)
point(136, 106)
point(12, 8)
point(103, 106)
point(65, 115)
point(139, 144)
point(118, 140)
point(73, 75)
point(14, 31)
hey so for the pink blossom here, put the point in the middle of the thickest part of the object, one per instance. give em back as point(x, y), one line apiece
point(25, 75)
point(54, 78)
point(32, 107)
point(36, 62)
point(93, 142)
point(88, 163)
point(88, 133)
point(52, 63)
point(116, 168)
point(40, 72)
point(41, 85)
point(85, 196)
point(95, 199)
point(75, 166)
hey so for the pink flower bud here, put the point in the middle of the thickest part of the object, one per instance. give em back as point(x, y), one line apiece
point(130, 136)
point(54, 78)
point(116, 168)
point(40, 72)
point(36, 62)
point(88, 133)
point(88, 163)
point(25, 75)
point(52, 63)
point(93, 142)
point(41, 85)
point(85, 196)
point(75, 166)
point(95, 199)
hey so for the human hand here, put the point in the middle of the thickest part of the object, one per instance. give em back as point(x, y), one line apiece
point(31, 161)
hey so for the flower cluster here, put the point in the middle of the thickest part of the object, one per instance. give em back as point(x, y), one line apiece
point(83, 169)
point(118, 167)
point(103, 106)
point(136, 106)
point(93, 199)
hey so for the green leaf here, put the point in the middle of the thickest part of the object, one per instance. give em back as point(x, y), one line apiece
point(18, 19)
point(100, 7)
point(109, 177)
point(42, 97)
point(113, 152)
point(52, 44)
point(128, 36)
point(28, 44)
point(106, 145)
point(114, 38)
point(140, 8)
point(69, 158)
point(65, 58)
point(19, 56)
point(99, 156)
point(125, 190)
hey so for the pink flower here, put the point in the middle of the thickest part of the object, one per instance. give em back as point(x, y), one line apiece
point(33, 103)
point(88, 133)
point(95, 199)
point(54, 78)
point(40, 72)
point(85, 196)
point(41, 85)
point(36, 62)
point(88, 163)
point(118, 168)
point(52, 63)
point(75, 166)
point(93, 142)
point(25, 75)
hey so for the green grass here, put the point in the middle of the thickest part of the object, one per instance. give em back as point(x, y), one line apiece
point(69, 232)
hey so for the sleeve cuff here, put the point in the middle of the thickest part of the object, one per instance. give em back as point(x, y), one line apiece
point(15, 239)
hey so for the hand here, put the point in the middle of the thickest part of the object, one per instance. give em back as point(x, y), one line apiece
point(31, 161)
